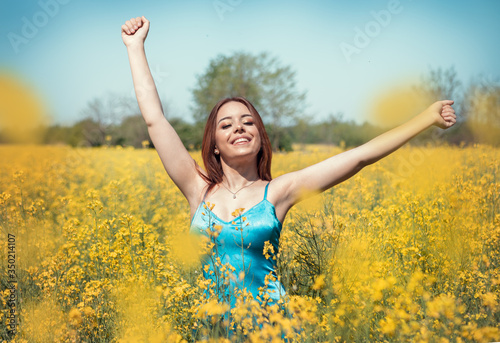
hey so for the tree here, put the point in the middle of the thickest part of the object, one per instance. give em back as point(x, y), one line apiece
point(101, 114)
point(441, 84)
point(131, 132)
point(58, 134)
point(482, 101)
point(477, 106)
point(261, 79)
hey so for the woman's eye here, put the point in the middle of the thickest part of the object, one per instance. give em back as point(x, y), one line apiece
point(248, 123)
point(226, 126)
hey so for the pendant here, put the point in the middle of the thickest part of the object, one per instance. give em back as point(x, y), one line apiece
point(234, 196)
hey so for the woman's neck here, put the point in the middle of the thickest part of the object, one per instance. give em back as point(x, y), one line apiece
point(239, 175)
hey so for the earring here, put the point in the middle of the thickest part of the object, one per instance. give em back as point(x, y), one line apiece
point(216, 151)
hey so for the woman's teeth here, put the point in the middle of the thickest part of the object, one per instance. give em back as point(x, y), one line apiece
point(240, 140)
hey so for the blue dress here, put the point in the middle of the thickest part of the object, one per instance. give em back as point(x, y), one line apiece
point(247, 247)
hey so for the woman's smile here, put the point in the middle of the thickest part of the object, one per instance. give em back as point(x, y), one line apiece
point(236, 128)
point(242, 141)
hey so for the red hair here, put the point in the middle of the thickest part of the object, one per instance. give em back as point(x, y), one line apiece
point(214, 172)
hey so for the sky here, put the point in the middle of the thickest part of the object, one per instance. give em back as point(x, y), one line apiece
point(344, 53)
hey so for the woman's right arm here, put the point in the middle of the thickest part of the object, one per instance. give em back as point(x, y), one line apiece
point(179, 165)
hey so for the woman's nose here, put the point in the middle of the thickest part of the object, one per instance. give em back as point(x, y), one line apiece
point(238, 128)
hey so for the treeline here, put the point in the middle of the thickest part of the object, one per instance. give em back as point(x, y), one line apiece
point(334, 130)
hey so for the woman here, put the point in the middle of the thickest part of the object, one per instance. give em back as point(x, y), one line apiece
point(237, 155)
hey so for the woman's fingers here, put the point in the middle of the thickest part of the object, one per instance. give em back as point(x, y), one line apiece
point(128, 27)
point(448, 110)
point(448, 113)
point(132, 25)
point(446, 117)
point(135, 31)
point(136, 22)
point(449, 118)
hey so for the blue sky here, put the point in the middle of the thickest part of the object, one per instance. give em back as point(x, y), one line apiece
point(76, 54)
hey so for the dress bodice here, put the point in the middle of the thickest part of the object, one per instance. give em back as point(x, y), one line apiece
point(249, 243)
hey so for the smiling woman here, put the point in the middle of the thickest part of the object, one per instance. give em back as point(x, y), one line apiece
point(230, 120)
point(235, 202)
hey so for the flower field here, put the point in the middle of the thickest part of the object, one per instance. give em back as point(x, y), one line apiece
point(95, 248)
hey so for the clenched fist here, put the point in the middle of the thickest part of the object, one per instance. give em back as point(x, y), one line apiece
point(135, 31)
point(443, 113)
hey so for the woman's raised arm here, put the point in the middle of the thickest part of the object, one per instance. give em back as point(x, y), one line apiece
point(179, 165)
point(324, 175)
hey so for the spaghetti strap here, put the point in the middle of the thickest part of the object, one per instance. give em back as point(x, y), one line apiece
point(265, 193)
point(205, 195)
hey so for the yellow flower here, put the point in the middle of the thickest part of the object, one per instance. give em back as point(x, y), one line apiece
point(490, 300)
point(237, 212)
point(268, 250)
point(319, 283)
point(75, 317)
point(387, 326)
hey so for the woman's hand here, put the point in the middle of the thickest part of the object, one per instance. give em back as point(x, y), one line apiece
point(443, 114)
point(135, 31)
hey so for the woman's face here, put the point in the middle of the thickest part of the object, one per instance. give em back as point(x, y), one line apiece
point(236, 135)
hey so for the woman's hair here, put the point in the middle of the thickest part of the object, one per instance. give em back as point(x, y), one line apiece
point(212, 162)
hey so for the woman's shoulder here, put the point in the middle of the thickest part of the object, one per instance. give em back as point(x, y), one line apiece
point(283, 181)
point(279, 187)
point(279, 194)
point(198, 196)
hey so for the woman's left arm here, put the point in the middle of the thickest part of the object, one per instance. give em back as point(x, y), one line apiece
point(440, 114)
point(326, 174)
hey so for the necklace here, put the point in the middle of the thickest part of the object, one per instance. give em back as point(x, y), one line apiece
point(234, 193)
